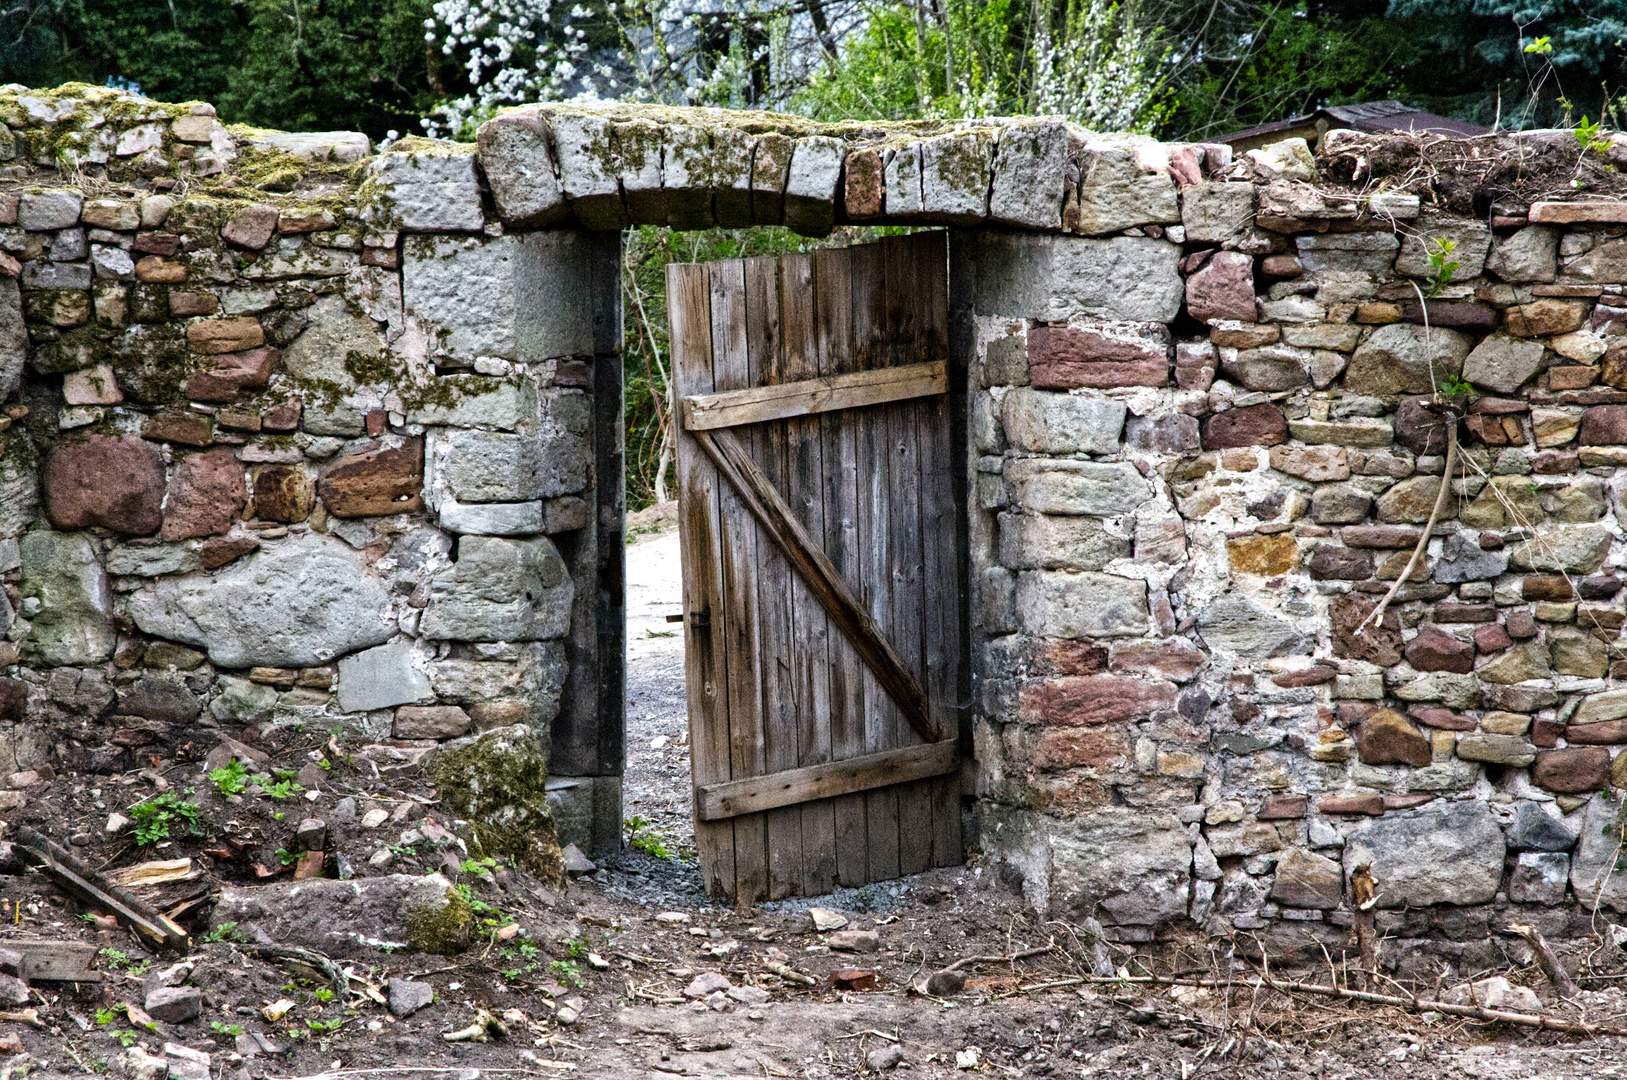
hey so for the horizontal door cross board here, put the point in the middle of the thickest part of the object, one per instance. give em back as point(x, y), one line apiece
point(824, 580)
point(705, 412)
point(735, 797)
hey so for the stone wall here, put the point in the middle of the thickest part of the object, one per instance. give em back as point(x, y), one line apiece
point(1205, 450)
point(277, 449)
point(296, 432)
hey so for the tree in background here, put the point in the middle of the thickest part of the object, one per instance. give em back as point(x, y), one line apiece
point(359, 65)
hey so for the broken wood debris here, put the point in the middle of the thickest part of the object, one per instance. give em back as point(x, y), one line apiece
point(156, 872)
point(92, 887)
point(49, 961)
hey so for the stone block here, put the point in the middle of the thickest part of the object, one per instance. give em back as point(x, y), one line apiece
point(1269, 368)
point(1119, 189)
point(72, 626)
point(1269, 556)
point(493, 519)
point(206, 497)
point(378, 482)
point(299, 602)
point(1472, 240)
point(1441, 853)
point(955, 172)
point(1307, 880)
point(1222, 289)
point(1540, 877)
point(380, 677)
point(1099, 357)
point(1216, 212)
point(529, 296)
point(114, 482)
point(1572, 771)
point(1074, 700)
point(1076, 487)
point(519, 167)
point(1054, 278)
point(1595, 873)
point(1047, 423)
point(425, 186)
point(430, 722)
point(500, 590)
point(1253, 425)
point(1503, 364)
point(1398, 358)
point(1052, 542)
point(49, 210)
point(1081, 605)
point(1030, 174)
point(1237, 625)
point(584, 151)
point(811, 183)
point(1536, 829)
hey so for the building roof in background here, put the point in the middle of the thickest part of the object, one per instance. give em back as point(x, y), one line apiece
point(1366, 116)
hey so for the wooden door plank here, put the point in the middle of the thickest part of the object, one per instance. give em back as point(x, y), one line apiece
point(812, 783)
point(907, 323)
point(810, 657)
point(765, 445)
point(835, 318)
point(881, 717)
point(731, 371)
point(689, 312)
point(811, 396)
point(942, 538)
point(765, 503)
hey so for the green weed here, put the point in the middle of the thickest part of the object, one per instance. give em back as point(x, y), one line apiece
point(154, 817)
point(1441, 266)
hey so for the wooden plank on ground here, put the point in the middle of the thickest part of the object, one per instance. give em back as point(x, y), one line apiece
point(53, 961)
point(826, 781)
point(808, 397)
point(689, 313)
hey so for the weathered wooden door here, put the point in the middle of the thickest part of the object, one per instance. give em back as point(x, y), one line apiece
point(820, 532)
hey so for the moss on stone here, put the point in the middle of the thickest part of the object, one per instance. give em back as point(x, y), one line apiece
point(443, 929)
point(498, 781)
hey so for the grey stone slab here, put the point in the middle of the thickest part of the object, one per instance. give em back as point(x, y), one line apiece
point(1063, 486)
point(72, 627)
point(1030, 173)
point(500, 590)
point(493, 519)
point(1053, 278)
point(430, 187)
point(955, 174)
point(335, 345)
point(13, 338)
point(1238, 625)
point(478, 401)
point(380, 677)
point(298, 602)
point(1442, 853)
point(517, 297)
point(1216, 212)
point(588, 169)
point(811, 185)
point(1118, 191)
point(1040, 422)
point(1055, 603)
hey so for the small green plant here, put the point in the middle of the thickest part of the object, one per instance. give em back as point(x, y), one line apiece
point(324, 995)
point(127, 1038)
point(230, 779)
point(1441, 265)
point(107, 1016)
point(226, 931)
point(1540, 47)
point(154, 817)
point(643, 836)
point(282, 786)
point(1455, 388)
point(123, 961)
point(478, 866)
point(325, 1027)
point(286, 857)
point(219, 1028)
point(659, 633)
point(567, 971)
point(1587, 134)
point(578, 948)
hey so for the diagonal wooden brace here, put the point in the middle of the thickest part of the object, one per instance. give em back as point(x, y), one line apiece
point(766, 504)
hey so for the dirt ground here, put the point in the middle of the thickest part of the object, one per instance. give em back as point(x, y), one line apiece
point(632, 972)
